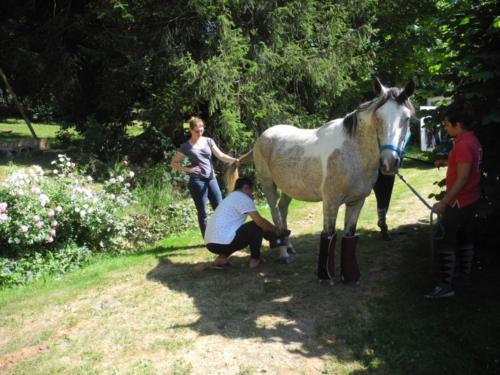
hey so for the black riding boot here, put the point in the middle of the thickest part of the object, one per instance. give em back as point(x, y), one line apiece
point(349, 268)
point(326, 258)
point(384, 230)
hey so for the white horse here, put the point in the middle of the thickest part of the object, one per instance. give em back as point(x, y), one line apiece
point(338, 164)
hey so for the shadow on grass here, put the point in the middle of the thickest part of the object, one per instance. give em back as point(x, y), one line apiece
point(385, 324)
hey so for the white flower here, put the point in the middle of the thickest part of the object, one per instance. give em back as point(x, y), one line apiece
point(55, 171)
point(54, 223)
point(36, 218)
point(17, 240)
point(131, 174)
point(90, 179)
point(44, 199)
point(23, 228)
point(120, 178)
point(36, 190)
point(59, 209)
point(3, 217)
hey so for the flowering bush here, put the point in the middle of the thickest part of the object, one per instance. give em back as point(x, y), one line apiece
point(38, 212)
point(29, 267)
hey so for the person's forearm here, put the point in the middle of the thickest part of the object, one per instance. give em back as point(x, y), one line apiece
point(451, 195)
point(180, 168)
point(227, 159)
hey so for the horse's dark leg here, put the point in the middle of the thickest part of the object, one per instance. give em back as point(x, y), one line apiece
point(383, 191)
point(349, 269)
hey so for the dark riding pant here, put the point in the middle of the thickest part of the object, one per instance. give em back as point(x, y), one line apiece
point(249, 234)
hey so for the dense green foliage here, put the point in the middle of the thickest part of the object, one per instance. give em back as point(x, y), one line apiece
point(242, 66)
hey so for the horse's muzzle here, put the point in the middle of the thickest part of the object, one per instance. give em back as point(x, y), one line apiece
point(390, 165)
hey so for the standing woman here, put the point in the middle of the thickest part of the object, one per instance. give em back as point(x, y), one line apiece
point(203, 185)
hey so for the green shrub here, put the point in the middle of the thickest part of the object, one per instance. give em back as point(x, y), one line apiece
point(60, 260)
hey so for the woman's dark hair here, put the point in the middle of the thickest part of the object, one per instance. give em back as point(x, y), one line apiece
point(457, 112)
point(242, 181)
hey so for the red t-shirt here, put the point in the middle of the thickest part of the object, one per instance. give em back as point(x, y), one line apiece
point(466, 149)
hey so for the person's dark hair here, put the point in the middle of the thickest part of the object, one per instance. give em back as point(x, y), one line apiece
point(457, 112)
point(242, 181)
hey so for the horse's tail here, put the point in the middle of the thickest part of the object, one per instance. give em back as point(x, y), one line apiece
point(232, 172)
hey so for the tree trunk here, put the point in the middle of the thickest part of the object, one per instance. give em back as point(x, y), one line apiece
point(18, 104)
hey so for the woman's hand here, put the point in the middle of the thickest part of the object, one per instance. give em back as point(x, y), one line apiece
point(439, 207)
point(194, 170)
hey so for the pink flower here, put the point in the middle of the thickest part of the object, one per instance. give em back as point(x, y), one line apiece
point(39, 225)
point(3, 207)
point(127, 185)
point(50, 213)
point(53, 232)
point(50, 239)
point(36, 190)
point(113, 180)
point(54, 223)
point(36, 218)
point(3, 217)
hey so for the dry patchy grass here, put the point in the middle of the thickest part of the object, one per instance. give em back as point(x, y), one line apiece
point(163, 316)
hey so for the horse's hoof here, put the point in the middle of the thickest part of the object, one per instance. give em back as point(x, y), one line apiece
point(329, 282)
point(291, 251)
point(286, 260)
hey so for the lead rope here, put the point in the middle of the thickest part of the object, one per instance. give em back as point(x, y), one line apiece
point(431, 220)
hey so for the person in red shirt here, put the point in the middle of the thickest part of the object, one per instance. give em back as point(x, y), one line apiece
point(457, 208)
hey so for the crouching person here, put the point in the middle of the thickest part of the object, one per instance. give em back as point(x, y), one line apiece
point(227, 231)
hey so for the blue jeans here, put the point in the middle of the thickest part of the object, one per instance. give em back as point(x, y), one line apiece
point(203, 190)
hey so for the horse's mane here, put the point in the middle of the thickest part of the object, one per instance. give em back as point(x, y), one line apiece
point(351, 119)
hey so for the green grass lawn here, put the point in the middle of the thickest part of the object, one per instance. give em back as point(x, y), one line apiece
point(15, 129)
point(165, 311)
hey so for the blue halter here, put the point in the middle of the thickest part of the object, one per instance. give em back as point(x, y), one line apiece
point(399, 151)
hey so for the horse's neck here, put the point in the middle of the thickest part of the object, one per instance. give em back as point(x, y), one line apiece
point(366, 139)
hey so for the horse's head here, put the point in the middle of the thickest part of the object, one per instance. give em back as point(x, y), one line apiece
point(392, 114)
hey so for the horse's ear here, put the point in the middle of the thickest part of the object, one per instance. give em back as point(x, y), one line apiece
point(407, 92)
point(377, 86)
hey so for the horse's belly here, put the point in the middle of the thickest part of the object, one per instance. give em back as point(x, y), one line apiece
point(301, 179)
